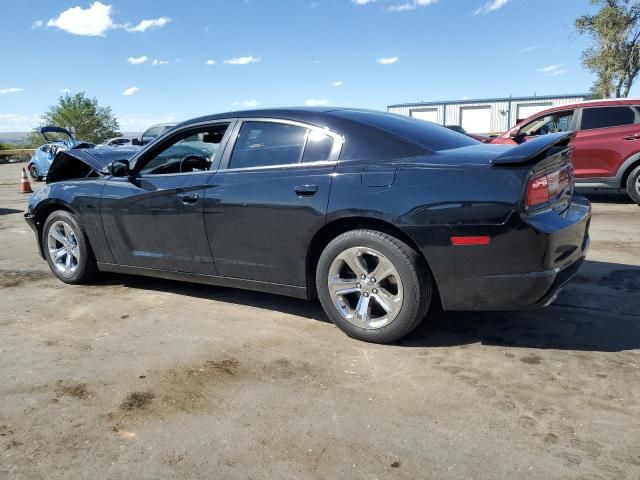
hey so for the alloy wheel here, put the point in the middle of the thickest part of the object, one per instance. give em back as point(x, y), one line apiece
point(365, 287)
point(64, 251)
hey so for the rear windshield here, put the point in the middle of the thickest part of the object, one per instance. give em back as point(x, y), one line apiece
point(425, 134)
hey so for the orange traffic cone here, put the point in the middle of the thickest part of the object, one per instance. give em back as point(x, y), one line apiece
point(25, 186)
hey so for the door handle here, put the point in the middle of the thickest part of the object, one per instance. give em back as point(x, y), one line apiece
point(306, 190)
point(635, 136)
point(189, 197)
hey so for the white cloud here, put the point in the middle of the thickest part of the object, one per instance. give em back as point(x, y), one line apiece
point(137, 60)
point(242, 60)
point(139, 122)
point(339, 83)
point(412, 5)
point(130, 91)
point(145, 25)
point(159, 62)
point(93, 21)
point(211, 62)
point(4, 91)
point(491, 6)
point(65, 90)
point(316, 102)
point(247, 103)
point(14, 122)
point(553, 70)
point(387, 60)
point(361, 2)
point(527, 50)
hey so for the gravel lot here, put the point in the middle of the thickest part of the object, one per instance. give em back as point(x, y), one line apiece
point(142, 378)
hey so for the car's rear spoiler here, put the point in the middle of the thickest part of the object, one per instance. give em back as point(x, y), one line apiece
point(533, 150)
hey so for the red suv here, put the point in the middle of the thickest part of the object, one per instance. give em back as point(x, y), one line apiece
point(607, 141)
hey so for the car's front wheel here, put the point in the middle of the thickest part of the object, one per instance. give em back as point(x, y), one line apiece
point(33, 173)
point(67, 249)
point(633, 185)
point(373, 286)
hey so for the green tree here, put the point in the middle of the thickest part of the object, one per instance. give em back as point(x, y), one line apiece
point(615, 54)
point(83, 116)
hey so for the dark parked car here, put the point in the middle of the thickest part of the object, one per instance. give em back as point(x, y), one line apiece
point(606, 145)
point(151, 133)
point(377, 215)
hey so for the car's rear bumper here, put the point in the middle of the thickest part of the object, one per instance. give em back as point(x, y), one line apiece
point(526, 266)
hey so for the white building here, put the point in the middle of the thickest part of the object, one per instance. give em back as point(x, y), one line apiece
point(494, 115)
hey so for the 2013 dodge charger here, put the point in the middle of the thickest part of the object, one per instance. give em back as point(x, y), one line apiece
point(377, 215)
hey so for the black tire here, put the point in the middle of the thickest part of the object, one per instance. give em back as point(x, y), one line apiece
point(415, 278)
point(33, 173)
point(85, 267)
point(633, 185)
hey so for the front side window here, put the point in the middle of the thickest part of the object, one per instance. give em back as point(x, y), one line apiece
point(605, 117)
point(551, 123)
point(266, 144)
point(190, 151)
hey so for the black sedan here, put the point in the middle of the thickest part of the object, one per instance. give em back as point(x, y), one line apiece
point(377, 215)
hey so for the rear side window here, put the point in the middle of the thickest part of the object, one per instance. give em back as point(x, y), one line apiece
point(318, 147)
point(266, 144)
point(605, 117)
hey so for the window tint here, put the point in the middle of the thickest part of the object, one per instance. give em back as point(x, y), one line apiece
point(425, 134)
point(318, 147)
point(552, 123)
point(604, 117)
point(191, 151)
point(263, 144)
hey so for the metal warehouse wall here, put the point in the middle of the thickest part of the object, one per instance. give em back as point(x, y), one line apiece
point(504, 112)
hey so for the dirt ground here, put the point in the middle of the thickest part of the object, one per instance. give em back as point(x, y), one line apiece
point(142, 378)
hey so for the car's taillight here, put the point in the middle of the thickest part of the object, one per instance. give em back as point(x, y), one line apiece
point(537, 191)
point(543, 188)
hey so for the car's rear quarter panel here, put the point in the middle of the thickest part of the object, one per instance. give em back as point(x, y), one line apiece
point(431, 202)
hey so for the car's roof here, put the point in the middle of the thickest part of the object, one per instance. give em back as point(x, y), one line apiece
point(369, 132)
point(302, 114)
point(603, 102)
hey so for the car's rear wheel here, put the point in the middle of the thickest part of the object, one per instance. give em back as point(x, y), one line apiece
point(33, 173)
point(67, 249)
point(633, 185)
point(373, 286)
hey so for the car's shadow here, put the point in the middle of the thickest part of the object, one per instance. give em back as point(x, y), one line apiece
point(598, 311)
point(606, 196)
point(9, 211)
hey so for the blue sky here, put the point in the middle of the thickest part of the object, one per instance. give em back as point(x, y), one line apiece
point(157, 60)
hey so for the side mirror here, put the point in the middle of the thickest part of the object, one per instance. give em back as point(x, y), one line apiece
point(136, 141)
point(515, 133)
point(119, 168)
